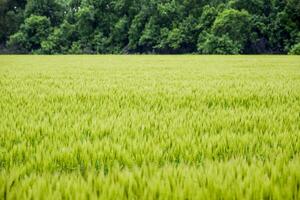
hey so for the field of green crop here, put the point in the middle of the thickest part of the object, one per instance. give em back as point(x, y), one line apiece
point(149, 127)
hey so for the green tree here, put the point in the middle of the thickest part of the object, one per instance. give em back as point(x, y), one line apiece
point(34, 30)
point(135, 31)
point(159, 26)
point(11, 16)
point(295, 50)
point(60, 40)
point(170, 41)
point(48, 8)
point(218, 45)
point(207, 18)
point(100, 43)
point(252, 6)
point(119, 35)
point(19, 43)
point(235, 24)
point(149, 35)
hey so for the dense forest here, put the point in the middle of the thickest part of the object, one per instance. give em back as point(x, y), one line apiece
point(150, 26)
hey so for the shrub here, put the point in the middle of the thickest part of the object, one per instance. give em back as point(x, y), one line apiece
point(295, 50)
point(75, 48)
point(18, 42)
point(218, 45)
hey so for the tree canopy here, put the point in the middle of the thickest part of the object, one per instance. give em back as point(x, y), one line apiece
point(150, 26)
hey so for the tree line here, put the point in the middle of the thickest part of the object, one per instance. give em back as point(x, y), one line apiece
point(150, 26)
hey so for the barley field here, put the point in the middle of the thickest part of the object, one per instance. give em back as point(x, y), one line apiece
point(149, 127)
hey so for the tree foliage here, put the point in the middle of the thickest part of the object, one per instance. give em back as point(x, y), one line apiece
point(150, 26)
point(295, 50)
point(31, 34)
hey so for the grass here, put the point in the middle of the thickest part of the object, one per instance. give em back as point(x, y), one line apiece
point(149, 127)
